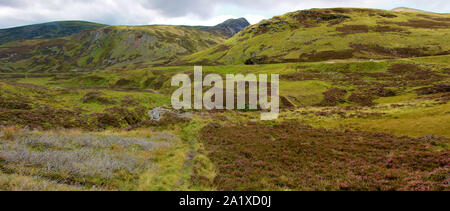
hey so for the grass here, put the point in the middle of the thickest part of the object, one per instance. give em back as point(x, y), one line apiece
point(415, 122)
point(77, 161)
point(83, 159)
point(305, 93)
point(15, 182)
point(185, 167)
point(358, 110)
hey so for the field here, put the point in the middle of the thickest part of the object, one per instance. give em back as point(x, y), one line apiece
point(345, 125)
point(364, 99)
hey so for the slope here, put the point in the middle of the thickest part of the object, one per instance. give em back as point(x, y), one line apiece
point(328, 34)
point(109, 46)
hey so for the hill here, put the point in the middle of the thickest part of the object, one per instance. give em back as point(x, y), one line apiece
point(329, 34)
point(105, 47)
point(46, 30)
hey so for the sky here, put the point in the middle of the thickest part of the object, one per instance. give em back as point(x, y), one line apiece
point(180, 12)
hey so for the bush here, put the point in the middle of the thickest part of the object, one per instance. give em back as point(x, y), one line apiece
point(119, 117)
point(97, 97)
point(333, 96)
point(362, 98)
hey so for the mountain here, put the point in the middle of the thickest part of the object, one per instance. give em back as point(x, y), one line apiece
point(228, 28)
point(119, 46)
point(46, 30)
point(329, 34)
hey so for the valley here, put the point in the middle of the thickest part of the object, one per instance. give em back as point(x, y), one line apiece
point(364, 99)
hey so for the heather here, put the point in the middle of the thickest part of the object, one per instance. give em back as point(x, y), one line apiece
point(364, 105)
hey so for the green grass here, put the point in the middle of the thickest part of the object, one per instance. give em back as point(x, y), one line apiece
point(306, 93)
point(413, 122)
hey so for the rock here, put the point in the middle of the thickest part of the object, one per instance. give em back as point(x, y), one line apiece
point(157, 114)
point(151, 91)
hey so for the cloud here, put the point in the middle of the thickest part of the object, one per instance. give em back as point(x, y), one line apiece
point(192, 12)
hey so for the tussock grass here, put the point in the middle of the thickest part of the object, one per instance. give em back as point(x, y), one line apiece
point(9, 133)
point(87, 160)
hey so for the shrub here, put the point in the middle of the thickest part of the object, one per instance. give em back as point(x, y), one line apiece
point(333, 96)
point(129, 100)
point(292, 156)
point(362, 98)
point(85, 159)
point(97, 97)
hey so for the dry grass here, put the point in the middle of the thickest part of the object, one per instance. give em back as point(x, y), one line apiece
point(9, 133)
point(72, 158)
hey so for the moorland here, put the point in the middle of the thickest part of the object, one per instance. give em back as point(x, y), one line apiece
point(364, 97)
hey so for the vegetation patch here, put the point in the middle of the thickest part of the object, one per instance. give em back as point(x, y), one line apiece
point(80, 159)
point(418, 23)
point(97, 97)
point(362, 98)
point(441, 88)
point(353, 29)
point(333, 97)
point(291, 156)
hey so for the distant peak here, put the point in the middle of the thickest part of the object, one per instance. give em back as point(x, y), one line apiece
point(241, 21)
point(231, 27)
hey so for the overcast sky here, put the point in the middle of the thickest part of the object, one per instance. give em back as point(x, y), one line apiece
point(179, 12)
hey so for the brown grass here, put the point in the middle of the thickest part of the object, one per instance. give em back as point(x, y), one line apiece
point(9, 133)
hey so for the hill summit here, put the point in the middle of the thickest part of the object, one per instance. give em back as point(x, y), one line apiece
point(228, 28)
point(46, 30)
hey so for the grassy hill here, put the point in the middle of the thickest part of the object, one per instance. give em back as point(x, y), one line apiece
point(331, 34)
point(109, 46)
point(46, 30)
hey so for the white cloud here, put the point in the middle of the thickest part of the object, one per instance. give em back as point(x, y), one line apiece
point(177, 12)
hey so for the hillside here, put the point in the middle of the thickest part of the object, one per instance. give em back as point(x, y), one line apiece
point(105, 47)
point(330, 34)
point(46, 30)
